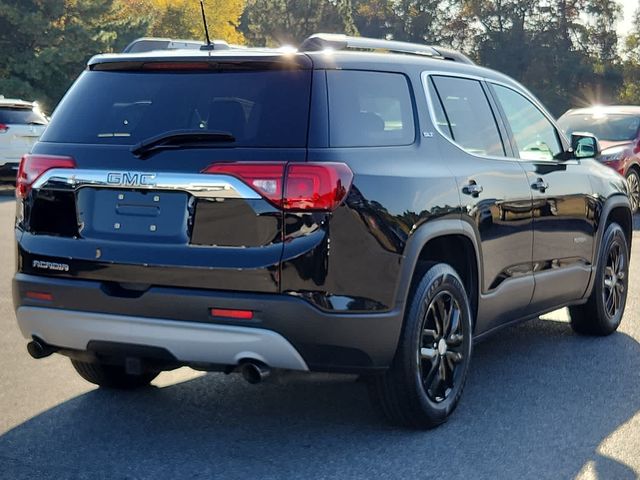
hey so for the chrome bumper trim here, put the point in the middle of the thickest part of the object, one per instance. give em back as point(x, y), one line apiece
point(198, 185)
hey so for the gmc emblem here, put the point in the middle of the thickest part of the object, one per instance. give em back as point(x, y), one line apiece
point(131, 179)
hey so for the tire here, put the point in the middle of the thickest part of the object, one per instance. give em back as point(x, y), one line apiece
point(633, 181)
point(424, 383)
point(111, 376)
point(603, 312)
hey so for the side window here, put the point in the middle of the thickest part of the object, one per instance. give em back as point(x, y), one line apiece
point(535, 135)
point(462, 106)
point(369, 109)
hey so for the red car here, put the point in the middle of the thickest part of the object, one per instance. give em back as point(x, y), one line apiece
point(618, 129)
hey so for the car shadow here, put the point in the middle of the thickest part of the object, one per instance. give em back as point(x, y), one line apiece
point(539, 402)
point(636, 221)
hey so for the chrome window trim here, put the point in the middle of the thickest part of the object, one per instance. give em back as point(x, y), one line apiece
point(425, 85)
point(198, 185)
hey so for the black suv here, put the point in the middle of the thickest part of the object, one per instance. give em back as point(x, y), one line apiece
point(336, 208)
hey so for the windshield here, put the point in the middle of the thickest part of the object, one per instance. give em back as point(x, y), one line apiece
point(259, 108)
point(610, 128)
point(21, 116)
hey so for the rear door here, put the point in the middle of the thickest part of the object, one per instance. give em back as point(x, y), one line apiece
point(494, 192)
point(171, 216)
point(564, 227)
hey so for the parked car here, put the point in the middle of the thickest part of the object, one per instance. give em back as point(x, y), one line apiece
point(358, 206)
point(618, 130)
point(21, 124)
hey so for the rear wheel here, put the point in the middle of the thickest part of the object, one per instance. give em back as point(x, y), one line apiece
point(633, 181)
point(602, 313)
point(111, 376)
point(425, 381)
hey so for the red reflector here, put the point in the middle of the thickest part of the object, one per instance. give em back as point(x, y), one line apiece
point(293, 186)
point(176, 66)
point(3, 128)
point(226, 313)
point(39, 296)
point(33, 166)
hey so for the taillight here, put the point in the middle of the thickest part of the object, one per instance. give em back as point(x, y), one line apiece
point(265, 178)
point(296, 186)
point(4, 128)
point(316, 186)
point(33, 166)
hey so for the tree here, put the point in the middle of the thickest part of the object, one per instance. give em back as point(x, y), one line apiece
point(278, 22)
point(182, 18)
point(46, 44)
point(630, 91)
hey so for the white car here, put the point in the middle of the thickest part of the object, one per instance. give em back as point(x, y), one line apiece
point(21, 124)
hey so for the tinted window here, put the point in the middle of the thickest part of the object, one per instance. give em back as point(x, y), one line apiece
point(468, 115)
point(260, 108)
point(535, 135)
point(369, 109)
point(21, 116)
point(608, 127)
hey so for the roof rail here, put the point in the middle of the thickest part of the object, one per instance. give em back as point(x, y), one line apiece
point(149, 44)
point(323, 41)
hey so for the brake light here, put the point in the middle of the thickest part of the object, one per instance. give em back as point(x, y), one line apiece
point(176, 66)
point(296, 186)
point(4, 128)
point(33, 166)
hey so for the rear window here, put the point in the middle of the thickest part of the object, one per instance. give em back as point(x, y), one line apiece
point(21, 116)
point(369, 109)
point(259, 108)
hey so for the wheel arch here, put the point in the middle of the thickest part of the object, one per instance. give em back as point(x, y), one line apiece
point(616, 209)
point(449, 241)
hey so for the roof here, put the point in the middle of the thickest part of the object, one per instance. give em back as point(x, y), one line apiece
point(605, 110)
point(318, 59)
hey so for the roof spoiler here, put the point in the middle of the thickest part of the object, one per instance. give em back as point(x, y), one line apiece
point(324, 41)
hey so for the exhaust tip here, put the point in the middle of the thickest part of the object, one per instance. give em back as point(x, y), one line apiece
point(39, 349)
point(254, 372)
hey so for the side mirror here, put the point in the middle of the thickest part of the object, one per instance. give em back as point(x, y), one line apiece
point(584, 145)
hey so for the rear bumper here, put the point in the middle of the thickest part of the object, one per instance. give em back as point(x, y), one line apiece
point(187, 342)
point(179, 321)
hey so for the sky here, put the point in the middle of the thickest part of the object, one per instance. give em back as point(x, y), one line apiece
point(629, 7)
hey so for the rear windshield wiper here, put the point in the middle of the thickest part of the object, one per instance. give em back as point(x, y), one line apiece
point(180, 139)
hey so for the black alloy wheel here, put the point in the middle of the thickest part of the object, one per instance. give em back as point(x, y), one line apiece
point(603, 311)
point(441, 351)
point(424, 383)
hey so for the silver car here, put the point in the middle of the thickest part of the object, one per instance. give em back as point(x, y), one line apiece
point(21, 124)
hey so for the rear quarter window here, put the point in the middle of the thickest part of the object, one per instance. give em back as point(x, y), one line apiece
point(369, 109)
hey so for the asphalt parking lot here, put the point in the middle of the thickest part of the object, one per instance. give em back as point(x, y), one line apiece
point(540, 402)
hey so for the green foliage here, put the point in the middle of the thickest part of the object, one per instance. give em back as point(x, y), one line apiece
point(277, 22)
point(45, 43)
point(566, 51)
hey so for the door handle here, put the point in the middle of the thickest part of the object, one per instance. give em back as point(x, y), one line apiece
point(540, 185)
point(472, 188)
